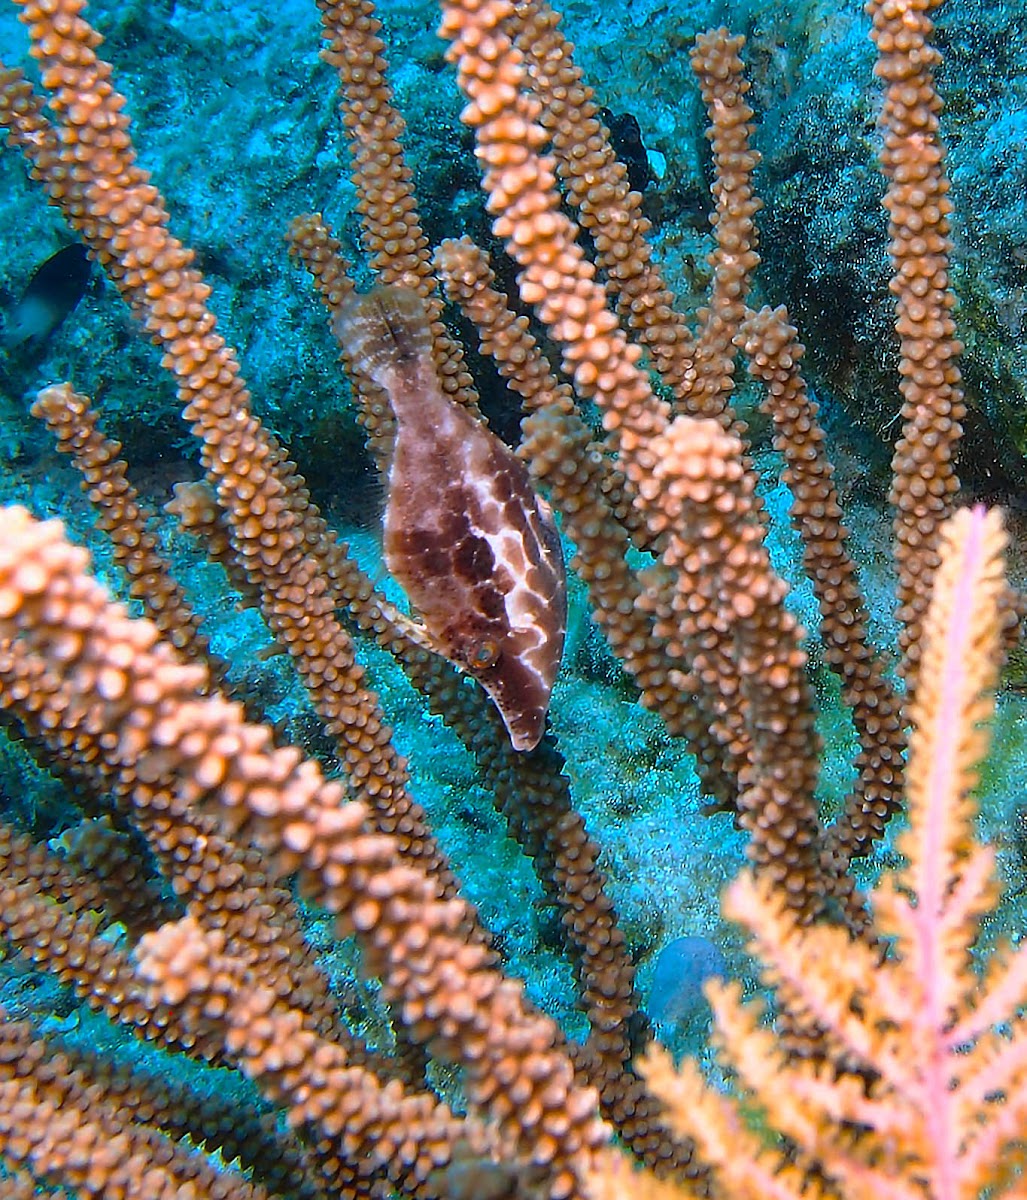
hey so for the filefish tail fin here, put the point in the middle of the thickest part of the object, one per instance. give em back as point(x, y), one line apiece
point(384, 331)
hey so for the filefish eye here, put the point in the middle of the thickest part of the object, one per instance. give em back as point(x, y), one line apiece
point(484, 655)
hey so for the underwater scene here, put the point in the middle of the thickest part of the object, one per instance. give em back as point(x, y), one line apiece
point(512, 599)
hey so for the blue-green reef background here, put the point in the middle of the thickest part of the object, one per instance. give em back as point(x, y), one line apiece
point(235, 115)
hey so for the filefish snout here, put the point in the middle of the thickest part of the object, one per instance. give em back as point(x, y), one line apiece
point(465, 535)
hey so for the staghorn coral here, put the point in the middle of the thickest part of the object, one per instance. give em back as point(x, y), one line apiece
point(932, 1100)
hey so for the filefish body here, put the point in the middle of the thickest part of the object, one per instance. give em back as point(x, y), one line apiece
point(472, 545)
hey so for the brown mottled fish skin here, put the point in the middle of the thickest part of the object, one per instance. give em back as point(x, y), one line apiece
point(472, 545)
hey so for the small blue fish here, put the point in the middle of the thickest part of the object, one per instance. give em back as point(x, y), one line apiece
point(472, 545)
point(54, 290)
